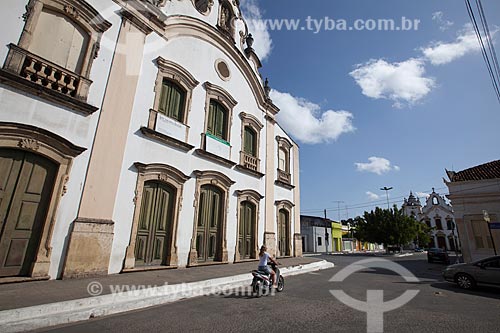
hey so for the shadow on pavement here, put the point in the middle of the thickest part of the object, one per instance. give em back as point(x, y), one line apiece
point(482, 291)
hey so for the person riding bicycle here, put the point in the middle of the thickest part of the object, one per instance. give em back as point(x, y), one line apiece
point(264, 258)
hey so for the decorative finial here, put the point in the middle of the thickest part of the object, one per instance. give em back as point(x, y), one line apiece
point(267, 89)
point(249, 41)
point(433, 190)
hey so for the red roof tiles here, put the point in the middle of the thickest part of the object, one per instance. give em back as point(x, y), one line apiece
point(488, 170)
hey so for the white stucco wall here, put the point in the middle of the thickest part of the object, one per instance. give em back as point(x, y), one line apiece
point(141, 149)
point(19, 107)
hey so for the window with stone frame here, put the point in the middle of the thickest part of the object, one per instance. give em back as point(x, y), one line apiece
point(250, 136)
point(481, 236)
point(174, 90)
point(217, 120)
point(284, 147)
point(219, 110)
point(439, 225)
point(172, 100)
point(56, 49)
point(450, 224)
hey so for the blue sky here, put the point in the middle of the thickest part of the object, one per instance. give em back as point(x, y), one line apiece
point(379, 108)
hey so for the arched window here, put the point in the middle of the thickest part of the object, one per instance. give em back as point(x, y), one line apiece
point(217, 120)
point(283, 160)
point(172, 100)
point(60, 40)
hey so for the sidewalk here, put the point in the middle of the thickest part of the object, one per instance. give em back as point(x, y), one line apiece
point(31, 305)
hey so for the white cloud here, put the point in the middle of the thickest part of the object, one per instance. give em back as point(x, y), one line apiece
point(444, 25)
point(396, 168)
point(306, 122)
point(401, 82)
point(440, 53)
point(378, 165)
point(253, 16)
point(422, 194)
point(372, 196)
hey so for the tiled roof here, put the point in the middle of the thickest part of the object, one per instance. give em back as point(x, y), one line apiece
point(488, 170)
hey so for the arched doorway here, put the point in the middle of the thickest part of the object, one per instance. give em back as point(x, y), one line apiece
point(26, 185)
point(208, 233)
point(284, 233)
point(154, 231)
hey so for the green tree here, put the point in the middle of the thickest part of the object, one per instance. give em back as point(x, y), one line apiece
point(389, 227)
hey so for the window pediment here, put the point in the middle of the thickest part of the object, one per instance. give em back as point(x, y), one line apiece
point(222, 95)
point(177, 73)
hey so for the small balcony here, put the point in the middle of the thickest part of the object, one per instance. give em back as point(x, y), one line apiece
point(284, 177)
point(28, 71)
point(249, 161)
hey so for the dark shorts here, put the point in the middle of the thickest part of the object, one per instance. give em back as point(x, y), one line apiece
point(265, 269)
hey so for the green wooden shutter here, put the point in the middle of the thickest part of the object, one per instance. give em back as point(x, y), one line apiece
point(249, 143)
point(211, 118)
point(172, 101)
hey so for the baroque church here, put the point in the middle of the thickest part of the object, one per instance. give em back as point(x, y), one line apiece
point(437, 214)
point(135, 135)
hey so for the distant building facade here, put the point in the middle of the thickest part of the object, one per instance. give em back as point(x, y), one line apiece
point(475, 195)
point(437, 214)
point(316, 233)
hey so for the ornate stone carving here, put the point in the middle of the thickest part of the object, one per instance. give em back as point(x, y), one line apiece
point(162, 177)
point(71, 11)
point(157, 3)
point(203, 6)
point(64, 182)
point(29, 11)
point(30, 144)
point(95, 50)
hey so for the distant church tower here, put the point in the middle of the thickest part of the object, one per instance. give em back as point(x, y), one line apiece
point(412, 206)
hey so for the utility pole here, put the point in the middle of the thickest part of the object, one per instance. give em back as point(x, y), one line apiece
point(387, 189)
point(326, 233)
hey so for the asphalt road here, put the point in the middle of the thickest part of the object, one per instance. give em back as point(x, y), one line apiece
point(307, 305)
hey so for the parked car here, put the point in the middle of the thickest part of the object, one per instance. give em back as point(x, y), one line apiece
point(467, 276)
point(437, 254)
point(419, 249)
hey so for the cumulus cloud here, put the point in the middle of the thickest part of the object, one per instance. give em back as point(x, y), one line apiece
point(306, 122)
point(372, 196)
point(401, 82)
point(440, 53)
point(378, 165)
point(422, 194)
point(253, 16)
point(444, 24)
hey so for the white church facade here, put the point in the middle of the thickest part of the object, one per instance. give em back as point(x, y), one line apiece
point(138, 135)
point(438, 215)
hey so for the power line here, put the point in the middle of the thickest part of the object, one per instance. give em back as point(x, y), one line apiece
point(393, 200)
point(486, 58)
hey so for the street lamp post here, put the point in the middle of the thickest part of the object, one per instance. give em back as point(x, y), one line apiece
point(387, 189)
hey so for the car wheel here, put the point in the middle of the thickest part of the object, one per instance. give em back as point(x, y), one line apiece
point(465, 281)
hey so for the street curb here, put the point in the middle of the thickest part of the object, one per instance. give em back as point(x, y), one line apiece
point(46, 315)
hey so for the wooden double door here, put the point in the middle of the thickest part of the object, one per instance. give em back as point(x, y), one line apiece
point(155, 229)
point(247, 226)
point(26, 185)
point(209, 227)
point(284, 233)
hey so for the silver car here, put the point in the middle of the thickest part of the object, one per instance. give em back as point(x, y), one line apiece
point(467, 276)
